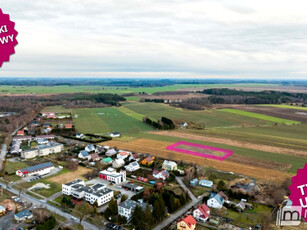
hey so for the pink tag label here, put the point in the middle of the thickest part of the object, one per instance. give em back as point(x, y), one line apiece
point(298, 190)
point(7, 37)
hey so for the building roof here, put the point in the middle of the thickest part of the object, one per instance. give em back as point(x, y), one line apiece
point(207, 183)
point(24, 213)
point(90, 148)
point(189, 220)
point(217, 197)
point(84, 153)
point(205, 210)
point(94, 156)
point(171, 163)
point(107, 159)
point(149, 159)
point(124, 153)
point(77, 181)
point(131, 204)
point(36, 167)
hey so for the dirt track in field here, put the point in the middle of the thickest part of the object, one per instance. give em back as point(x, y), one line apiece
point(157, 148)
point(70, 176)
point(241, 144)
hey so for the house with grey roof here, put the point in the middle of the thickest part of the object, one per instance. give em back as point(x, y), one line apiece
point(84, 155)
point(127, 207)
point(23, 215)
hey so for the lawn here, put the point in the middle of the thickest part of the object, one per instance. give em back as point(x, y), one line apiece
point(206, 118)
point(119, 90)
point(286, 106)
point(12, 167)
point(261, 116)
point(56, 109)
point(105, 120)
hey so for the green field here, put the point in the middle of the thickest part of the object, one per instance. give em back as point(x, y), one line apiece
point(56, 109)
point(207, 118)
point(295, 162)
point(104, 120)
point(261, 116)
point(286, 106)
point(119, 90)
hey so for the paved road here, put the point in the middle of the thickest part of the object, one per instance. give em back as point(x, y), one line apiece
point(51, 208)
point(3, 155)
point(182, 211)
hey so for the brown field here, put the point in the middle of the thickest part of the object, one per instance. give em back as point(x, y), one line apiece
point(157, 148)
point(174, 96)
point(290, 114)
point(70, 176)
point(242, 144)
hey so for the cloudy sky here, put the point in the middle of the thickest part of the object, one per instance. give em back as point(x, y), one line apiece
point(155, 38)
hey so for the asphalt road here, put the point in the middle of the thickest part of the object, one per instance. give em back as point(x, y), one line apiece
point(51, 208)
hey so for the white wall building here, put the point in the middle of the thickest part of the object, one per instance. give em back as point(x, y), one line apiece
point(133, 166)
point(169, 165)
point(40, 169)
point(111, 175)
point(127, 207)
point(68, 188)
point(118, 163)
point(42, 150)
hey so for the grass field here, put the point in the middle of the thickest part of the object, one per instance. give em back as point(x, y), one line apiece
point(104, 120)
point(12, 167)
point(56, 109)
point(4, 89)
point(286, 106)
point(261, 116)
point(208, 118)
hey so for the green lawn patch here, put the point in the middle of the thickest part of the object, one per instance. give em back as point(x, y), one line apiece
point(261, 116)
point(286, 106)
point(12, 167)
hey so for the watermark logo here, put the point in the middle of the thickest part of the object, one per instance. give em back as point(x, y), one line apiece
point(289, 216)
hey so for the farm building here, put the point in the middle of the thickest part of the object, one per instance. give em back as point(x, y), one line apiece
point(169, 165)
point(206, 183)
point(23, 215)
point(202, 213)
point(111, 175)
point(187, 223)
point(40, 169)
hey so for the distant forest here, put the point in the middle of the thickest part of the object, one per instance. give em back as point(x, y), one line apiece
point(133, 82)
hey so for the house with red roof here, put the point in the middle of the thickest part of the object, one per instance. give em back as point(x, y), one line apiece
point(123, 155)
point(68, 126)
point(187, 223)
point(202, 213)
point(20, 133)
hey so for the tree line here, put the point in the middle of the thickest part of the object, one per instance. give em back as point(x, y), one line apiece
point(164, 123)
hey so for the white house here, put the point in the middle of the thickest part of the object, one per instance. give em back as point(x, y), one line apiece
point(40, 169)
point(202, 213)
point(127, 207)
point(169, 165)
point(80, 135)
point(183, 125)
point(84, 155)
point(123, 155)
point(215, 201)
point(90, 148)
point(118, 163)
point(68, 188)
point(15, 149)
point(161, 175)
point(133, 166)
point(206, 183)
point(111, 175)
point(115, 134)
point(111, 152)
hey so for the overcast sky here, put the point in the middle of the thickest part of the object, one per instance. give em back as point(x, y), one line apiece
point(159, 38)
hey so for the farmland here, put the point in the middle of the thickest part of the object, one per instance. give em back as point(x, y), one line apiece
point(261, 116)
point(207, 118)
point(287, 106)
point(104, 120)
point(9, 89)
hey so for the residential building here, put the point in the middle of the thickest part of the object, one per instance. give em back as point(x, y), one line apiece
point(148, 161)
point(42, 141)
point(80, 135)
point(169, 165)
point(15, 148)
point(133, 166)
point(42, 150)
point(161, 175)
point(115, 134)
point(127, 207)
point(90, 148)
point(20, 133)
point(95, 157)
point(202, 213)
point(40, 169)
point(110, 152)
point(48, 137)
point(107, 161)
point(22, 138)
point(194, 182)
point(68, 126)
point(134, 157)
point(111, 175)
point(206, 183)
point(118, 163)
point(123, 155)
point(215, 201)
point(84, 155)
point(23, 215)
point(187, 223)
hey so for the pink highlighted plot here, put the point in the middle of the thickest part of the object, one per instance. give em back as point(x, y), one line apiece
point(200, 150)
